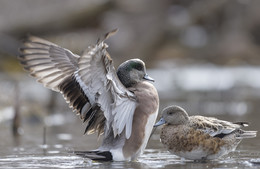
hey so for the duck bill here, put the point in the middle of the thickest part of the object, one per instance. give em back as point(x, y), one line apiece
point(147, 77)
point(160, 122)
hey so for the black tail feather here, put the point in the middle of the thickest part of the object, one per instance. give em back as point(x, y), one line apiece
point(95, 155)
point(243, 124)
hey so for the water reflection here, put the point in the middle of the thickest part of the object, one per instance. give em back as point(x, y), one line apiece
point(150, 159)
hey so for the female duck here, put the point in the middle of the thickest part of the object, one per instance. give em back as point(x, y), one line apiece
point(199, 137)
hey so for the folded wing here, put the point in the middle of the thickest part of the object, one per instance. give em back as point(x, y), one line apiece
point(213, 126)
point(89, 83)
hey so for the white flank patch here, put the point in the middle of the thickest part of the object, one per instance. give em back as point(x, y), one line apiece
point(148, 129)
point(118, 154)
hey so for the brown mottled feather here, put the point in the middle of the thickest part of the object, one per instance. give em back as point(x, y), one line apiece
point(186, 139)
point(199, 137)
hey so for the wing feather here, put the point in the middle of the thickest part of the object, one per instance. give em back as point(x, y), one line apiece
point(89, 83)
point(213, 126)
point(54, 67)
point(99, 78)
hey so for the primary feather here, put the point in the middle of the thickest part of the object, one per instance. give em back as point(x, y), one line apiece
point(88, 83)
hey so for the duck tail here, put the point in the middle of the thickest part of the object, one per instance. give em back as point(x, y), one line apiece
point(242, 124)
point(95, 155)
point(246, 134)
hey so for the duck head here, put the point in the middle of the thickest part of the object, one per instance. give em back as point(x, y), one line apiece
point(173, 115)
point(132, 72)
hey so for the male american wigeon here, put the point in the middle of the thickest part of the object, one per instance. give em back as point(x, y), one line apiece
point(198, 137)
point(120, 104)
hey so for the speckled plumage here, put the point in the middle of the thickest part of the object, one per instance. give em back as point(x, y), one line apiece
point(199, 137)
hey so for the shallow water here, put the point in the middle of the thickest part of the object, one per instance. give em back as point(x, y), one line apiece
point(28, 151)
point(229, 98)
point(150, 159)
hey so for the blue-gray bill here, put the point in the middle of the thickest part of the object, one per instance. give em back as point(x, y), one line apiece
point(160, 122)
point(147, 77)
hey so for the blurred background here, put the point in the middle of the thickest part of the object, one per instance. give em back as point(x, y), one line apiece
point(204, 56)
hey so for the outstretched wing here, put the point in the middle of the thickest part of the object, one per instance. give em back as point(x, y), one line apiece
point(98, 79)
point(213, 126)
point(53, 66)
point(47, 62)
point(88, 83)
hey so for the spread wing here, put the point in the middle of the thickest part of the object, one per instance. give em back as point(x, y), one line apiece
point(212, 126)
point(98, 79)
point(89, 83)
point(47, 62)
point(53, 66)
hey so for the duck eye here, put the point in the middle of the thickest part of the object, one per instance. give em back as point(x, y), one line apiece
point(170, 113)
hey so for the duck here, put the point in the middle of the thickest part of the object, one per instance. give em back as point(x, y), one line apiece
point(122, 105)
point(199, 138)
